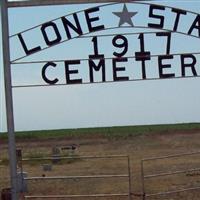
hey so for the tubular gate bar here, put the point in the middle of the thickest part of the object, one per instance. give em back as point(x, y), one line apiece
point(74, 196)
point(144, 177)
point(127, 175)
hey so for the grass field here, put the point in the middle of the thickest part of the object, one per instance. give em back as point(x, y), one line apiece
point(137, 142)
point(112, 132)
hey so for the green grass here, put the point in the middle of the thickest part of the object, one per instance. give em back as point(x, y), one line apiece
point(110, 132)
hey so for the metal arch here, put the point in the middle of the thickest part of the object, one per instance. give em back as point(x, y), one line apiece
point(108, 4)
point(52, 20)
point(110, 28)
point(26, 3)
point(108, 58)
point(101, 82)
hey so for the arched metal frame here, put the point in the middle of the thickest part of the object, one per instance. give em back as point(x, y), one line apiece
point(5, 5)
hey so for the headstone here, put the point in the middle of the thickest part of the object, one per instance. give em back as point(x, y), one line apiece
point(56, 155)
point(22, 182)
point(47, 167)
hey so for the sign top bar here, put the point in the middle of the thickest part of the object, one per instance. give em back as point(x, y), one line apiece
point(58, 2)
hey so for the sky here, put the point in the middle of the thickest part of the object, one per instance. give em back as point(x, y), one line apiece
point(113, 103)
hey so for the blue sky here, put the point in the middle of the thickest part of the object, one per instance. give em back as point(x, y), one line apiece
point(105, 104)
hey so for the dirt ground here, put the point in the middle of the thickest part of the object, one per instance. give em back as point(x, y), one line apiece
point(135, 147)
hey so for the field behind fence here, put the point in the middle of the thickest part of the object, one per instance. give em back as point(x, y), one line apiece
point(137, 144)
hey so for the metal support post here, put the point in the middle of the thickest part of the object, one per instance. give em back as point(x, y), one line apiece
point(142, 180)
point(129, 177)
point(9, 100)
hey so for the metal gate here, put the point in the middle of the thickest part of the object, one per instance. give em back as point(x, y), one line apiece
point(116, 177)
point(145, 177)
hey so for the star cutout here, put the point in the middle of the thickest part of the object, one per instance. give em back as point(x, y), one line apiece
point(125, 16)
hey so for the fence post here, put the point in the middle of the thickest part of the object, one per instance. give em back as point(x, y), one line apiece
point(9, 98)
point(129, 177)
point(142, 180)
